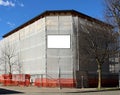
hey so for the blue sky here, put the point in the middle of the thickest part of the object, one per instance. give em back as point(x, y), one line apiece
point(13, 13)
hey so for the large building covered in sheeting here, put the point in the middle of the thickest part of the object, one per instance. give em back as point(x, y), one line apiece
point(47, 49)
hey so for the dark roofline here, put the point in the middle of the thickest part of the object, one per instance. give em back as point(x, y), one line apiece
point(46, 13)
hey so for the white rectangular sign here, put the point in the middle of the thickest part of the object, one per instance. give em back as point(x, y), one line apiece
point(58, 41)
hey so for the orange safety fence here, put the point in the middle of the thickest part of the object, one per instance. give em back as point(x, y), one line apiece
point(1, 79)
point(15, 79)
point(40, 82)
point(54, 82)
point(24, 80)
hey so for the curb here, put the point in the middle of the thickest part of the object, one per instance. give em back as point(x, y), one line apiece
point(58, 90)
point(94, 90)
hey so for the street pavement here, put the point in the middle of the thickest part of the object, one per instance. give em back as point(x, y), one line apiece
point(15, 90)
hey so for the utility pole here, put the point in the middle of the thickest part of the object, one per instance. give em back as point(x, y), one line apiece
point(59, 70)
point(119, 76)
point(82, 81)
point(60, 78)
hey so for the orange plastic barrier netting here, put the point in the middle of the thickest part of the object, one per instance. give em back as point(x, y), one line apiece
point(54, 83)
point(24, 80)
point(15, 79)
point(1, 79)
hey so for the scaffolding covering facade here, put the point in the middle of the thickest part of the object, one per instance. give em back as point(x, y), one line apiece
point(47, 48)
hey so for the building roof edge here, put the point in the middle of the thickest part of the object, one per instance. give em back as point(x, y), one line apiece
point(46, 13)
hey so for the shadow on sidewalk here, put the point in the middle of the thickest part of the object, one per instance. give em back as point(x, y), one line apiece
point(6, 91)
point(88, 91)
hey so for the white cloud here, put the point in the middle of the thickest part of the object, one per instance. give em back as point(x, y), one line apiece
point(12, 25)
point(7, 3)
point(21, 4)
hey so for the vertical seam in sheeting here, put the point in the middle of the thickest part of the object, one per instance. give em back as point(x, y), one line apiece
point(45, 48)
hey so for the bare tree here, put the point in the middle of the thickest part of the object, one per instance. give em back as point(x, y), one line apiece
point(9, 57)
point(97, 42)
point(112, 13)
point(18, 65)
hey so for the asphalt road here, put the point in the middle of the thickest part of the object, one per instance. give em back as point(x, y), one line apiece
point(39, 91)
point(6, 91)
point(87, 93)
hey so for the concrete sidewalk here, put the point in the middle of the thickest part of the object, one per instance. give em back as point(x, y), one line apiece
point(54, 90)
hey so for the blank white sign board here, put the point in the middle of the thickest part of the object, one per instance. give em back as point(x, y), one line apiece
point(58, 41)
